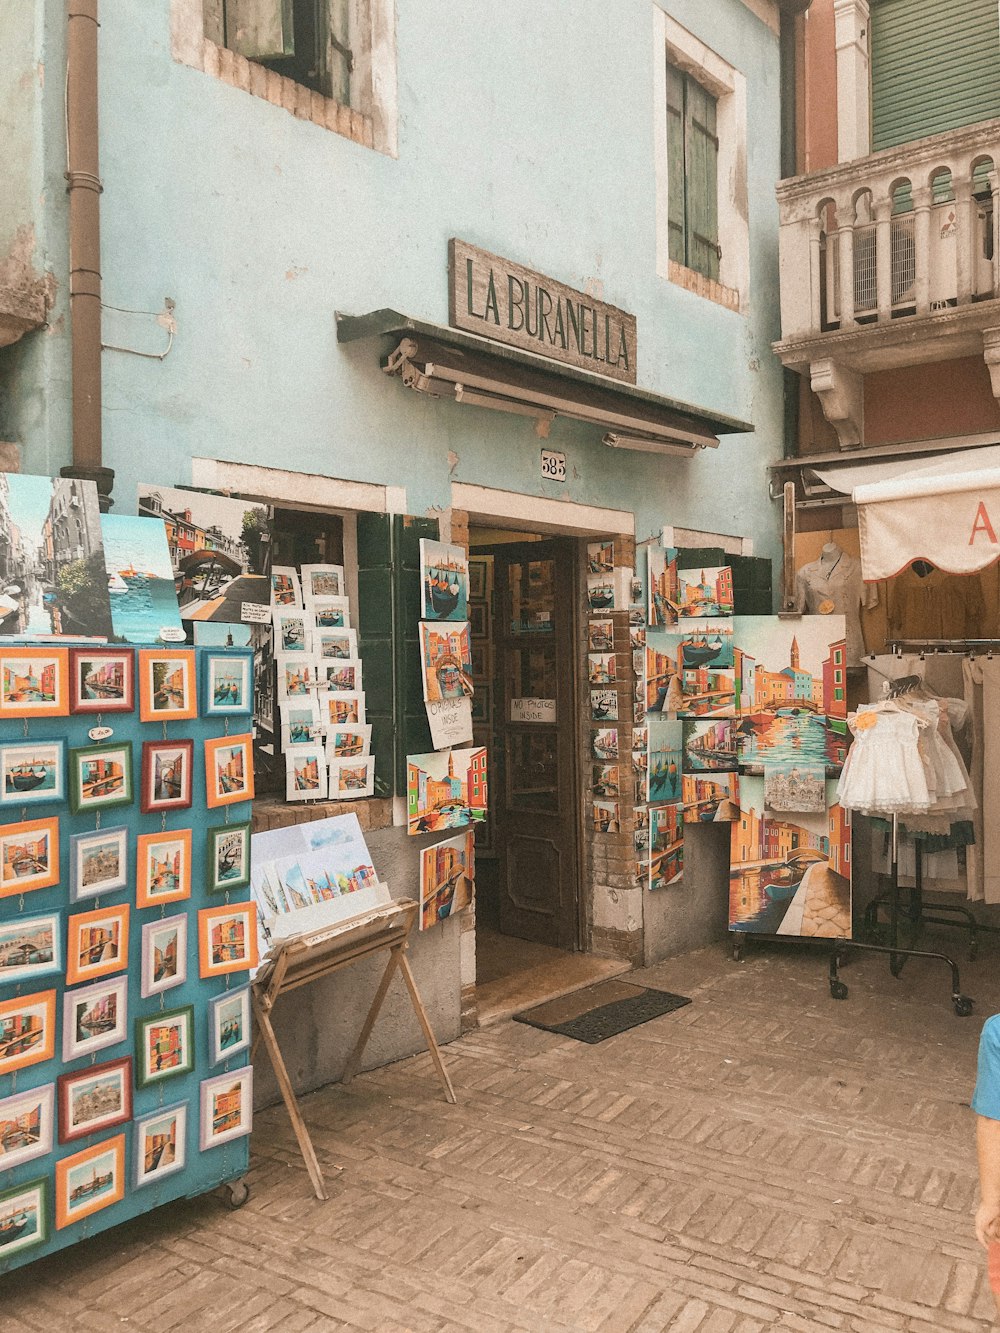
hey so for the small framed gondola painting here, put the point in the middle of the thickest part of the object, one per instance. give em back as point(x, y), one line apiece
point(28, 1205)
point(101, 680)
point(228, 1025)
point(32, 772)
point(167, 776)
point(34, 682)
point(228, 858)
point(167, 688)
point(227, 684)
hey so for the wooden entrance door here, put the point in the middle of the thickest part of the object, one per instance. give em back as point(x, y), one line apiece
point(535, 721)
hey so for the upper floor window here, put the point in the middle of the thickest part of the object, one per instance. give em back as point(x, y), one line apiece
point(693, 165)
point(308, 41)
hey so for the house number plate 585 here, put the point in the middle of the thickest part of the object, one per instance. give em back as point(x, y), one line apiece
point(553, 465)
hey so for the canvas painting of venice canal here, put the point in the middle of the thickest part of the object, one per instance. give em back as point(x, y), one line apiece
point(790, 876)
point(140, 578)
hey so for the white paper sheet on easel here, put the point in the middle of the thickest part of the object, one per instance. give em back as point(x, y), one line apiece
point(450, 722)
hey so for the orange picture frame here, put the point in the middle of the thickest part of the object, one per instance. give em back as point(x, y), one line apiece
point(228, 764)
point(96, 943)
point(163, 876)
point(227, 939)
point(41, 689)
point(29, 856)
point(106, 1159)
point(27, 1030)
point(168, 687)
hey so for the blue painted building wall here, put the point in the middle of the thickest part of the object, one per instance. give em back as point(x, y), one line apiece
point(530, 135)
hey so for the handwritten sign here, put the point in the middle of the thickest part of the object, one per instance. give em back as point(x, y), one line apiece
point(450, 721)
point(532, 710)
point(255, 613)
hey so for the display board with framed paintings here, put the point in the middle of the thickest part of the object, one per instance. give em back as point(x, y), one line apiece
point(127, 934)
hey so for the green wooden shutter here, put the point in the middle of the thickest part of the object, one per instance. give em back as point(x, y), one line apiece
point(935, 66)
point(701, 155)
point(260, 29)
point(676, 187)
point(388, 641)
point(752, 591)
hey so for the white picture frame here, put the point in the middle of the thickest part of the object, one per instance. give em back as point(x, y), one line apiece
point(221, 1120)
point(27, 935)
point(338, 675)
point(229, 1031)
point(157, 937)
point(348, 740)
point(82, 865)
point(298, 668)
point(350, 771)
point(340, 707)
point(166, 1128)
point(284, 585)
point(321, 581)
point(329, 612)
point(85, 1009)
point(20, 1109)
point(306, 773)
point(293, 630)
point(333, 644)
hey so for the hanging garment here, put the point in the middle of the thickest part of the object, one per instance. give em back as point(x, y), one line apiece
point(884, 772)
point(835, 587)
point(938, 606)
point(982, 692)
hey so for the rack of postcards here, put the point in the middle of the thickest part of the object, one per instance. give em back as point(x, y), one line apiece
point(126, 936)
point(320, 697)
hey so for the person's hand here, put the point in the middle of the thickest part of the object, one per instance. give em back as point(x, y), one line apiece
point(987, 1223)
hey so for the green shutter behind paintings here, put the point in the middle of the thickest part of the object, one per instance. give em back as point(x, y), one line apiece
point(260, 29)
point(676, 190)
point(388, 641)
point(701, 153)
point(752, 592)
point(935, 66)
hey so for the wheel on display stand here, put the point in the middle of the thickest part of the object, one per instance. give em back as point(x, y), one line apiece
point(838, 990)
point(963, 1005)
point(239, 1192)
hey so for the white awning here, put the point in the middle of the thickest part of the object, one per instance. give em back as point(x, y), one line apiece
point(944, 509)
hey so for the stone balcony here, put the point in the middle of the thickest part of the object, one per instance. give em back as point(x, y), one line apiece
point(891, 260)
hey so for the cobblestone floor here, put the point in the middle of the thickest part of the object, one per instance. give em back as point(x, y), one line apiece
point(764, 1158)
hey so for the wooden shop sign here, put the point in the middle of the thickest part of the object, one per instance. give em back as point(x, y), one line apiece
point(508, 303)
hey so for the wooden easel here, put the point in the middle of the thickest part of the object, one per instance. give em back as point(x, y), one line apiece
point(309, 957)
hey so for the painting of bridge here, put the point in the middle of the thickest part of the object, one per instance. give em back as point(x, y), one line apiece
point(798, 663)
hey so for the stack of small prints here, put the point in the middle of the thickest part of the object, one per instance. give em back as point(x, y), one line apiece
point(309, 876)
point(321, 701)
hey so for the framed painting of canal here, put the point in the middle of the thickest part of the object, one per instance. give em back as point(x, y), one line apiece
point(94, 1098)
point(446, 879)
point(27, 1122)
point(790, 873)
point(159, 1144)
point(228, 857)
point(167, 689)
point(167, 776)
point(96, 943)
point(98, 862)
point(90, 1180)
point(100, 776)
point(34, 682)
point(27, 1030)
point(163, 867)
point(227, 684)
point(228, 770)
point(101, 680)
point(228, 1024)
point(226, 1107)
point(94, 1017)
point(32, 772)
point(164, 955)
point(24, 1217)
point(164, 1045)
point(29, 947)
point(29, 856)
point(227, 939)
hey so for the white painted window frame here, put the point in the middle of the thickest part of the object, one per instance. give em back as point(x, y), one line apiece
point(375, 71)
point(728, 86)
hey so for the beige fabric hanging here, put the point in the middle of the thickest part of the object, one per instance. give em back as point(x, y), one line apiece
point(982, 693)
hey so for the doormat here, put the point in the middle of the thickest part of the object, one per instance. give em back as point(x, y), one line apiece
point(598, 1012)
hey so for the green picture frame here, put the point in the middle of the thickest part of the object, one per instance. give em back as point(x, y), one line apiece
point(164, 1045)
point(34, 1216)
point(227, 846)
point(93, 787)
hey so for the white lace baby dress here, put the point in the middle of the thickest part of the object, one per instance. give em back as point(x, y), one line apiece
point(884, 773)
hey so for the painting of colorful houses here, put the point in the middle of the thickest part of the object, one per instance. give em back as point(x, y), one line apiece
point(790, 877)
point(791, 679)
point(709, 746)
point(710, 798)
point(666, 846)
point(705, 592)
point(446, 789)
point(446, 877)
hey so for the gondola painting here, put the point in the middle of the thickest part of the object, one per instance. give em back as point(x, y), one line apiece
point(444, 581)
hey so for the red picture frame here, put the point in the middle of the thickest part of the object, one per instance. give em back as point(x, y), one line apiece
point(114, 690)
point(114, 1072)
point(155, 778)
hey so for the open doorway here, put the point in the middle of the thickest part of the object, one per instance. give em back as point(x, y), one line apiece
point(527, 650)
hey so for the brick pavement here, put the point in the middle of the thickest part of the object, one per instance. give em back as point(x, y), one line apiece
point(766, 1158)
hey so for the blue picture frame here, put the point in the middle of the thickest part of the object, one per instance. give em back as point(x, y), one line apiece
point(227, 684)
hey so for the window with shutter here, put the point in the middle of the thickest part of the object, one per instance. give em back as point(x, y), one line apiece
point(935, 65)
point(693, 174)
point(308, 41)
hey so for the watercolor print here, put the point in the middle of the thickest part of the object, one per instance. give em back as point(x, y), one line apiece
point(90, 1180)
point(227, 939)
point(664, 758)
point(600, 557)
point(32, 772)
point(300, 722)
point(791, 679)
point(710, 746)
point(795, 786)
point(34, 682)
point(100, 776)
point(167, 775)
point(27, 1030)
point(446, 651)
point(167, 690)
point(159, 1144)
point(344, 709)
point(601, 668)
point(97, 943)
point(444, 581)
point(226, 1108)
point(229, 1024)
point(606, 817)
point(706, 643)
point(306, 772)
point(164, 1045)
point(228, 770)
point(228, 857)
point(285, 588)
point(705, 592)
point(29, 948)
point(323, 581)
point(603, 706)
point(445, 790)
point(94, 1017)
point(29, 856)
point(710, 798)
point(348, 741)
point(600, 636)
point(351, 779)
point(141, 584)
point(338, 675)
point(666, 846)
point(24, 1217)
point(102, 680)
point(447, 872)
point(67, 594)
point(296, 677)
point(220, 552)
point(27, 1122)
point(662, 679)
point(329, 612)
point(601, 592)
point(163, 954)
point(790, 875)
point(95, 1098)
point(607, 780)
point(661, 586)
point(228, 684)
point(163, 867)
point(292, 630)
point(336, 643)
point(605, 743)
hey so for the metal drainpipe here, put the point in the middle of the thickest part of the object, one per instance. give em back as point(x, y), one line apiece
point(84, 189)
